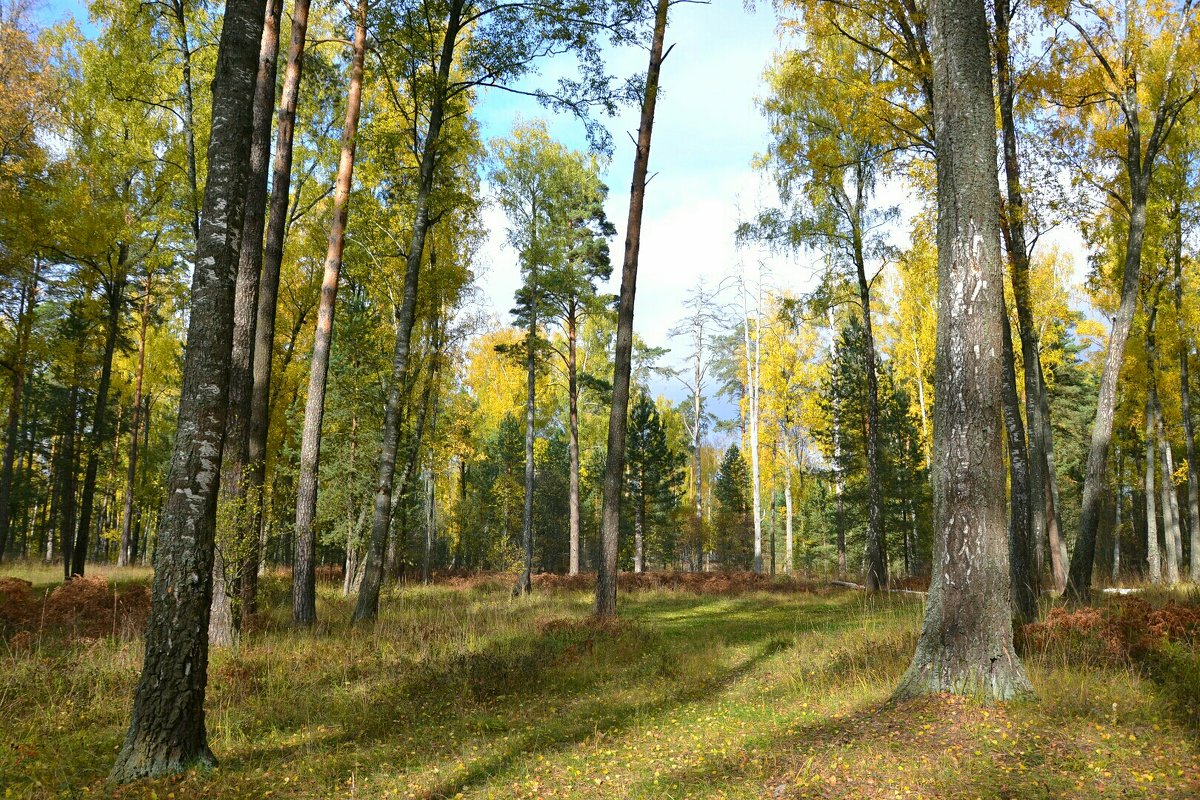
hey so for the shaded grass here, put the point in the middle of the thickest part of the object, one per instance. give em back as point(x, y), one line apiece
point(467, 692)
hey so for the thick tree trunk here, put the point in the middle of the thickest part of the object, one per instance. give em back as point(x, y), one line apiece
point(231, 550)
point(966, 642)
point(614, 465)
point(1020, 561)
point(367, 607)
point(1013, 220)
point(24, 326)
point(126, 556)
point(116, 293)
point(167, 731)
point(573, 444)
point(304, 581)
point(268, 300)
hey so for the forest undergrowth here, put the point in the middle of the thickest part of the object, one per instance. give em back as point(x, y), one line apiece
point(710, 686)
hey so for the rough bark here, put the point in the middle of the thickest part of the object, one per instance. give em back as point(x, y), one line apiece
point(614, 465)
point(966, 644)
point(268, 299)
point(167, 731)
point(304, 581)
point(116, 294)
point(367, 607)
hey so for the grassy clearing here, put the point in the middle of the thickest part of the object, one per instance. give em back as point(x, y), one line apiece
point(465, 692)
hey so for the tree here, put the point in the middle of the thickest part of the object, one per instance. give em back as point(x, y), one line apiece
point(966, 643)
point(653, 478)
point(614, 466)
point(1119, 66)
point(304, 609)
point(167, 732)
point(504, 44)
point(552, 197)
point(826, 158)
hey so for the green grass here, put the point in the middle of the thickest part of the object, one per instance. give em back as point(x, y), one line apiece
point(467, 692)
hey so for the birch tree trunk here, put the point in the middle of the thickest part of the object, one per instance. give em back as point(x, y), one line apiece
point(966, 643)
point(304, 578)
point(167, 730)
point(1153, 556)
point(618, 418)
point(573, 443)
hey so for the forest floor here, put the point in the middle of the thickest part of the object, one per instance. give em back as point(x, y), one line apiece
point(759, 689)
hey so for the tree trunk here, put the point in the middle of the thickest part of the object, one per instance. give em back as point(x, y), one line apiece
point(639, 526)
point(1185, 397)
point(1116, 552)
point(1170, 502)
point(1153, 558)
point(24, 326)
point(753, 364)
point(524, 584)
point(1079, 579)
point(573, 444)
point(231, 549)
point(1013, 221)
point(189, 116)
point(367, 607)
point(116, 293)
point(1020, 562)
point(167, 731)
point(966, 641)
point(614, 465)
point(788, 558)
point(67, 476)
point(877, 560)
point(304, 585)
point(125, 557)
point(268, 300)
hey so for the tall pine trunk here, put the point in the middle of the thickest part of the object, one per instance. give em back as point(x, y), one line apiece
point(268, 301)
point(966, 644)
point(167, 731)
point(618, 418)
point(304, 583)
